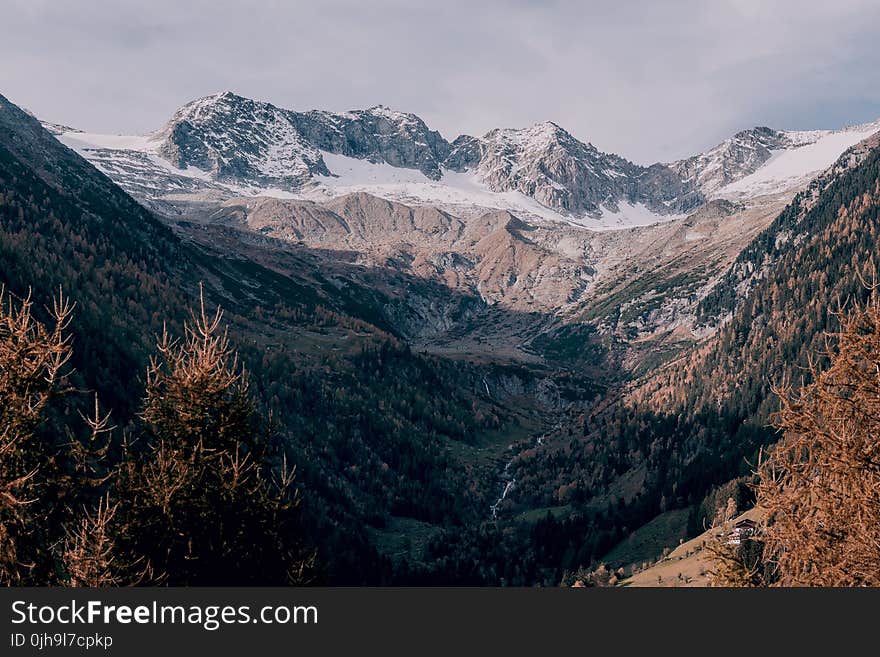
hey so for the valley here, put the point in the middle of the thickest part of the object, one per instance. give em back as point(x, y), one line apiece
point(512, 346)
point(532, 220)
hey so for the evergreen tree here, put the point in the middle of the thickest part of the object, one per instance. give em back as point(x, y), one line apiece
point(33, 359)
point(821, 484)
point(209, 501)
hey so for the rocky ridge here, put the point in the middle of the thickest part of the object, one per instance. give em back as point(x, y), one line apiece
point(227, 145)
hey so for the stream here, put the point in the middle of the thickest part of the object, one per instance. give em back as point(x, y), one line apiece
point(508, 479)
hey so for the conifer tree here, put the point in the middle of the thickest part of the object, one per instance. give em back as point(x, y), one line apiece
point(821, 485)
point(211, 501)
point(33, 360)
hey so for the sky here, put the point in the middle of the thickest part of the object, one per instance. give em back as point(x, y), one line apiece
point(652, 81)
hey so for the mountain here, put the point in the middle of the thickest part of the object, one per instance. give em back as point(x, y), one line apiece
point(244, 141)
point(321, 340)
point(766, 161)
point(437, 322)
point(731, 160)
point(295, 176)
point(225, 145)
point(66, 224)
point(546, 163)
point(762, 255)
point(495, 256)
point(678, 432)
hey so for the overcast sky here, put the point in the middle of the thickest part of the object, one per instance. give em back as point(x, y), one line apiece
point(649, 80)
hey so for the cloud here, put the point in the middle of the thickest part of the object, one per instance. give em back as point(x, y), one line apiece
point(651, 80)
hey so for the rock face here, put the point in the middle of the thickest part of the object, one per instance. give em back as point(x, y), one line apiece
point(240, 140)
point(731, 160)
point(378, 134)
point(224, 145)
point(245, 141)
point(496, 256)
point(251, 143)
point(749, 151)
point(631, 283)
point(560, 172)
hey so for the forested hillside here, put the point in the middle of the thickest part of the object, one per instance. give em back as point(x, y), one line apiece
point(400, 454)
point(700, 420)
point(372, 427)
point(827, 266)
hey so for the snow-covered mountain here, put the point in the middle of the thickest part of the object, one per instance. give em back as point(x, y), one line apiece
point(246, 141)
point(548, 164)
point(764, 161)
point(225, 145)
point(804, 155)
point(517, 218)
point(736, 157)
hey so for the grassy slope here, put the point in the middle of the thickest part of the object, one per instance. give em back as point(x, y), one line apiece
point(646, 543)
point(686, 565)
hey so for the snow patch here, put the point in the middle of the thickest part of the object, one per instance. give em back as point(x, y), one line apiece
point(791, 167)
point(629, 215)
point(349, 175)
point(457, 189)
point(82, 141)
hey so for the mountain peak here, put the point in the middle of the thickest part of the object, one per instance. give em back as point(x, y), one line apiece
point(392, 115)
point(547, 129)
point(249, 146)
point(548, 126)
point(213, 99)
point(202, 108)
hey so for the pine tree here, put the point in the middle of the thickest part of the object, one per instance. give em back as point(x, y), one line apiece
point(821, 485)
point(33, 359)
point(209, 502)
